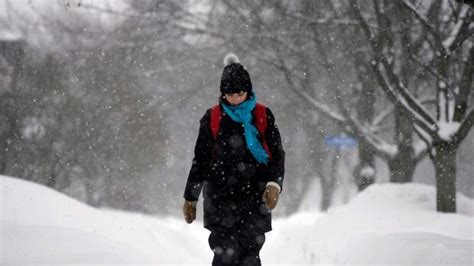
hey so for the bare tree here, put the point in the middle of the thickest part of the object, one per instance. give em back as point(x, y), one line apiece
point(302, 38)
point(445, 50)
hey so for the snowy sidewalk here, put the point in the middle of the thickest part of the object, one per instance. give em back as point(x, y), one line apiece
point(387, 224)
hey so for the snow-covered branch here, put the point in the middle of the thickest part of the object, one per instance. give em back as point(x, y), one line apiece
point(427, 125)
point(427, 68)
point(405, 95)
point(426, 24)
point(395, 90)
point(445, 105)
point(322, 107)
point(382, 148)
point(382, 115)
point(424, 136)
point(460, 31)
point(324, 21)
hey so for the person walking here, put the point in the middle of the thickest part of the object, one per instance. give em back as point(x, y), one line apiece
point(239, 164)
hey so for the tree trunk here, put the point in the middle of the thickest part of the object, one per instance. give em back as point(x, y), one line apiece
point(326, 195)
point(402, 166)
point(328, 183)
point(3, 147)
point(364, 172)
point(444, 160)
point(3, 164)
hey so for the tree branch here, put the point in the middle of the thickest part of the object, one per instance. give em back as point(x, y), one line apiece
point(382, 115)
point(427, 25)
point(428, 68)
point(323, 21)
point(398, 92)
point(465, 87)
point(403, 92)
point(464, 128)
point(427, 126)
point(322, 108)
point(460, 31)
point(424, 136)
point(363, 23)
point(381, 147)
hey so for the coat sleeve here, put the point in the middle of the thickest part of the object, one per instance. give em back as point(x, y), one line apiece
point(202, 159)
point(276, 166)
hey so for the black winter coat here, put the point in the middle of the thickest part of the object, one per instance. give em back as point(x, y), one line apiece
point(233, 180)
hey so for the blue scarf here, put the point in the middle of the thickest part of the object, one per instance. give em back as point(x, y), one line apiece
point(242, 113)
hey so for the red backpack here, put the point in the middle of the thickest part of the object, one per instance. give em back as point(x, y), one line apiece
point(260, 113)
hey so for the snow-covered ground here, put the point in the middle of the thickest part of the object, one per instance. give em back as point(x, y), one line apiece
point(387, 224)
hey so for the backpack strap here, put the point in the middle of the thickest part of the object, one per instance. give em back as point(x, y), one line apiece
point(215, 123)
point(261, 124)
point(260, 118)
point(260, 112)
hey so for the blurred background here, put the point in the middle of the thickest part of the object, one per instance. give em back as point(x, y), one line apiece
point(101, 99)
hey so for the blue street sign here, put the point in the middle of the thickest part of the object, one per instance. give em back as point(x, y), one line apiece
point(340, 141)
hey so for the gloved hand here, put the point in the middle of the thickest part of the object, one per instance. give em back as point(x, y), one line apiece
point(270, 197)
point(189, 211)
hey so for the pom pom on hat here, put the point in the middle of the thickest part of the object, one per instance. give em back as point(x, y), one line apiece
point(230, 58)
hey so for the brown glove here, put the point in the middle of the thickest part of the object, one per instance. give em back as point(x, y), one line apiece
point(189, 211)
point(270, 197)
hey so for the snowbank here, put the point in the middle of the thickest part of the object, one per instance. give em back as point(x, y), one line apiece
point(386, 224)
point(40, 225)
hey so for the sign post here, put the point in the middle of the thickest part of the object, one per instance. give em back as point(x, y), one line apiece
point(340, 142)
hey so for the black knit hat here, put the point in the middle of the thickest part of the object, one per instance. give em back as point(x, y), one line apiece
point(234, 77)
